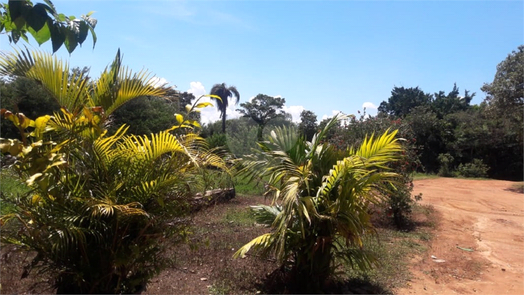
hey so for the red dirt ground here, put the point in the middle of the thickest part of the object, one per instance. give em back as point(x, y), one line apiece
point(483, 215)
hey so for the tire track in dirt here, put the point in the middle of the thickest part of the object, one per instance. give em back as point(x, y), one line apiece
point(482, 215)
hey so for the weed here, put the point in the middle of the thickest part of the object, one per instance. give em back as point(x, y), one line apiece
point(219, 288)
point(10, 188)
point(245, 187)
point(239, 217)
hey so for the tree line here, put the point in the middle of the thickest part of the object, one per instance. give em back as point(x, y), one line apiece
point(105, 202)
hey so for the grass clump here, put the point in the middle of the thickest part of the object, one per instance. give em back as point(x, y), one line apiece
point(10, 188)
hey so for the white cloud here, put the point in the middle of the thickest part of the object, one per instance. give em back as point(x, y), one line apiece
point(369, 105)
point(294, 111)
point(197, 89)
point(210, 114)
point(371, 108)
point(333, 113)
point(157, 82)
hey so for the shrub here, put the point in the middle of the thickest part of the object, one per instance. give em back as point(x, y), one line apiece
point(476, 168)
point(445, 160)
point(217, 140)
point(320, 201)
point(102, 208)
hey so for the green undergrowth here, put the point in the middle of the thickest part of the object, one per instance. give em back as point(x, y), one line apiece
point(10, 188)
point(421, 176)
point(245, 187)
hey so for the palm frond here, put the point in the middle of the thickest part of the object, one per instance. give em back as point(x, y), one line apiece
point(263, 243)
point(68, 89)
point(151, 148)
point(266, 214)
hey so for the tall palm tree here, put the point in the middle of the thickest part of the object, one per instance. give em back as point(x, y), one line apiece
point(224, 92)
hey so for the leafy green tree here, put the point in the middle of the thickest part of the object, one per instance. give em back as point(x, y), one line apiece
point(507, 89)
point(430, 133)
point(402, 100)
point(184, 100)
point(145, 115)
point(308, 124)
point(320, 195)
point(224, 92)
point(505, 95)
point(262, 109)
point(451, 103)
point(43, 22)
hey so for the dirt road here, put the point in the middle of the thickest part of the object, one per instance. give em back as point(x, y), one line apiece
point(478, 247)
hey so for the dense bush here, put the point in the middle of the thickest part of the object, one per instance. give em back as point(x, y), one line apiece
point(477, 168)
point(446, 165)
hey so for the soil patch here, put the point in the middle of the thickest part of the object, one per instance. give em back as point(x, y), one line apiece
point(478, 247)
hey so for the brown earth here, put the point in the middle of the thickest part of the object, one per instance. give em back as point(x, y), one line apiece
point(482, 217)
point(485, 216)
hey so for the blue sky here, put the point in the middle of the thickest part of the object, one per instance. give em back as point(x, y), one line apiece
point(322, 56)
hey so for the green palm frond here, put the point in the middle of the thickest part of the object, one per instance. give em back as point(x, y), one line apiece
point(266, 214)
point(104, 146)
point(324, 194)
point(116, 85)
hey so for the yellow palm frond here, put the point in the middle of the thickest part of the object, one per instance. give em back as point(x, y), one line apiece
point(111, 92)
point(151, 148)
point(68, 89)
point(109, 208)
point(263, 242)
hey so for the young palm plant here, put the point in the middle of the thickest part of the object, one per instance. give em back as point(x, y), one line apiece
point(102, 208)
point(320, 201)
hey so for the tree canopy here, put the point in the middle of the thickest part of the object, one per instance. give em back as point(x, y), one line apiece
point(402, 100)
point(507, 88)
point(262, 109)
point(308, 124)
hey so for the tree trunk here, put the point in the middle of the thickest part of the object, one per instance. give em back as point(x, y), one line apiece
point(224, 122)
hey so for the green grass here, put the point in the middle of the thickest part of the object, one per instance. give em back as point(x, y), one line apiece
point(10, 188)
point(239, 217)
point(420, 176)
point(244, 187)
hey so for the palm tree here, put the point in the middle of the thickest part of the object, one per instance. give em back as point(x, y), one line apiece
point(101, 207)
point(224, 92)
point(320, 197)
point(73, 90)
